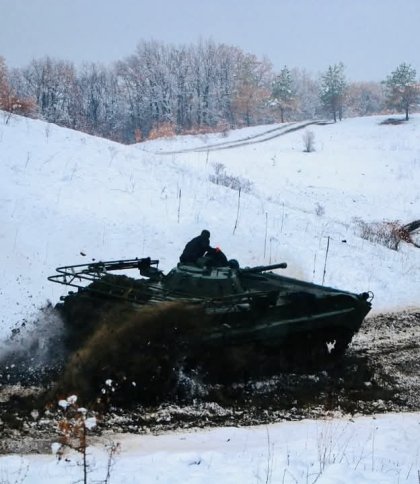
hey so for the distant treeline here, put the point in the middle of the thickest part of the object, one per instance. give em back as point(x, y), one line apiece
point(163, 89)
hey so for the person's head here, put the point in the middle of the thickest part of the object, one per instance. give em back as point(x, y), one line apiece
point(205, 234)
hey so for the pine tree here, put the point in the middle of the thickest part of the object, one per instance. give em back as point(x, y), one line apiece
point(401, 88)
point(333, 90)
point(283, 92)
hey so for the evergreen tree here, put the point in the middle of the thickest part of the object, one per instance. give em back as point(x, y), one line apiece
point(283, 92)
point(333, 90)
point(401, 88)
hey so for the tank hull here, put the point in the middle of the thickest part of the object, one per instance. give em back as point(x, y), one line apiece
point(242, 306)
point(277, 311)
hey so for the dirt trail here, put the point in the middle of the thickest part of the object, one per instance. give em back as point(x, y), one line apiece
point(249, 140)
point(379, 373)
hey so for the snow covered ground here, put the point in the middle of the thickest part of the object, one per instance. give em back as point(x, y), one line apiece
point(64, 194)
point(382, 449)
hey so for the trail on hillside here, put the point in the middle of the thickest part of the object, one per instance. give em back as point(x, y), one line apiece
point(249, 140)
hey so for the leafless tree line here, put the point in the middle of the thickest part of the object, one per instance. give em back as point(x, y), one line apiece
point(201, 87)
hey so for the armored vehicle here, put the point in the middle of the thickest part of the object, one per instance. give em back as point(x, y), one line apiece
point(246, 306)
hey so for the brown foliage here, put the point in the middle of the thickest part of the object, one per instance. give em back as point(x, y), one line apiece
point(138, 135)
point(222, 127)
point(364, 99)
point(388, 233)
point(12, 104)
point(162, 130)
point(8, 100)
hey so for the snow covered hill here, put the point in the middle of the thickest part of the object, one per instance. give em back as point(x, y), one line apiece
point(64, 193)
point(68, 198)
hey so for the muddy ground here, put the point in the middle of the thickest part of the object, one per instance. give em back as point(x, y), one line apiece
point(380, 372)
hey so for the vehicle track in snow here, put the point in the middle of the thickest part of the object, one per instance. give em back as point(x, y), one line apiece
point(379, 373)
point(249, 140)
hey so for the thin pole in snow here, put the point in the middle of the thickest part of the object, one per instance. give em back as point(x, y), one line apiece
point(313, 272)
point(326, 257)
point(237, 212)
point(282, 220)
point(265, 237)
point(179, 204)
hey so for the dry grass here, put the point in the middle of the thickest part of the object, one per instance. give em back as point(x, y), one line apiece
point(387, 233)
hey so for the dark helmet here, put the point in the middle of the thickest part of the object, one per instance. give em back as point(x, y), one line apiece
point(205, 234)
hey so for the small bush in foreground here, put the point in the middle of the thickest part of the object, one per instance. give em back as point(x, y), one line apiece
point(73, 428)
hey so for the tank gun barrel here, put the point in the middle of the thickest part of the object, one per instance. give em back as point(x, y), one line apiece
point(257, 269)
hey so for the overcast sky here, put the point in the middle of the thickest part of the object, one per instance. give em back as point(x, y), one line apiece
point(371, 37)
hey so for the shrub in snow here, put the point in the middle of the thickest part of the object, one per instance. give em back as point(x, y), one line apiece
point(220, 177)
point(308, 141)
point(387, 233)
point(319, 210)
point(73, 428)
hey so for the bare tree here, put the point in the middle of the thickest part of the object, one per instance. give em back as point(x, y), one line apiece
point(307, 101)
point(365, 98)
point(53, 85)
point(252, 89)
point(99, 98)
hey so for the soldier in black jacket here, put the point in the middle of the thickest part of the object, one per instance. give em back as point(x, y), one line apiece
point(196, 248)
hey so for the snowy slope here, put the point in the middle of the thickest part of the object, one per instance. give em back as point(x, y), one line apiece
point(63, 193)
